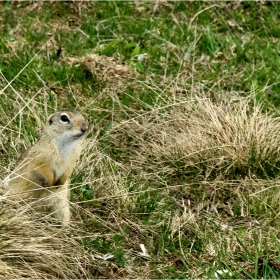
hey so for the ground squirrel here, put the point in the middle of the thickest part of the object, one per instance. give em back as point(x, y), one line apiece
point(41, 176)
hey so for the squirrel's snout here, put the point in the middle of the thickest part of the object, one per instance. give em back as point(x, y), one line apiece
point(81, 129)
point(84, 127)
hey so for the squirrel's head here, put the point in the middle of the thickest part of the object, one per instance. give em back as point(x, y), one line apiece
point(66, 125)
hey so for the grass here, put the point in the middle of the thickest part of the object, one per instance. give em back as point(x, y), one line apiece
point(182, 155)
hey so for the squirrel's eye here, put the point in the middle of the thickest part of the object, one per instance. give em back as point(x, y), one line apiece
point(64, 118)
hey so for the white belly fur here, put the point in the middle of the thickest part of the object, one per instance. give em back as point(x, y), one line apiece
point(69, 150)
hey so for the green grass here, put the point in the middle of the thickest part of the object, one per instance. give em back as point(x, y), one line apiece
point(182, 153)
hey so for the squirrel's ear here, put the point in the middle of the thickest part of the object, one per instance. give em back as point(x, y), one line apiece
point(50, 121)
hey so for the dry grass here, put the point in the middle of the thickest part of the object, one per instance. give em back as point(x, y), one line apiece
point(33, 247)
point(105, 69)
point(205, 139)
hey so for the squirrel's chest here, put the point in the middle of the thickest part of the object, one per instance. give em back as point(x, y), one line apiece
point(65, 157)
point(60, 169)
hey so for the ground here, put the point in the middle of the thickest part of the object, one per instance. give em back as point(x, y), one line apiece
point(179, 176)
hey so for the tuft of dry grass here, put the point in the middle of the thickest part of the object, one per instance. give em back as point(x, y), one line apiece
point(105, 69)
point(31, 246)
point(206, 140)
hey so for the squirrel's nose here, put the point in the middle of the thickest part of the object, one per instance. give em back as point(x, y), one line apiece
point(84, 127)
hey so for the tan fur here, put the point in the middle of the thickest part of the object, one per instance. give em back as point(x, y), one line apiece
point(42, 174)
